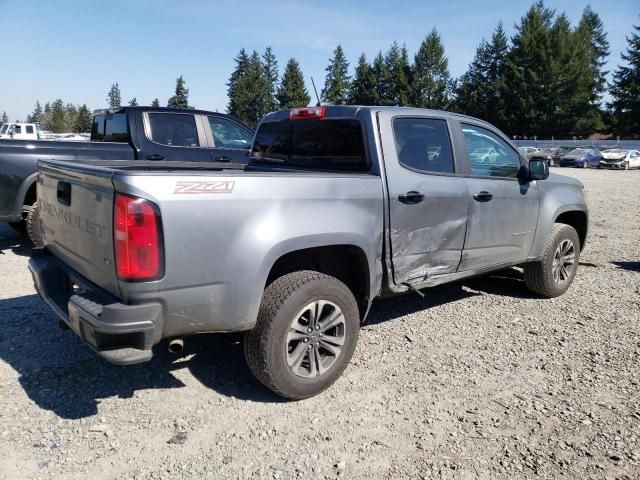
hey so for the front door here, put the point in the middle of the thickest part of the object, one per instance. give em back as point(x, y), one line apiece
point(231, 140)
point(503, 212)
point(427, 201)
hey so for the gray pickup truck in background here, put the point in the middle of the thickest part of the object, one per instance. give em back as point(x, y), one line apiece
point(337, 206)
point(124, 133)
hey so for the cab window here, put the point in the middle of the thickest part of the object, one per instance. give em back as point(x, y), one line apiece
point(174, 129)
point(489, 155)
point(423, 144)
point(228, 134)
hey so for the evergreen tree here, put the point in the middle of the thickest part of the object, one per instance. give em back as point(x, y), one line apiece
point(155, 103)
point(113, 97)
point(292, 91)
point(83, 120)
point(247, 89)
point(625, 90)
point(271, 75)
point(480, 91)
point(5, 117)
point(363, 87)
point(37, 113)
point(548, 78)
point(181, 97)
point(381, 81)
point(399, 72)
point(233, 92)
point(594, 41)
point(133, 102)
point(70, 117)
point(431, 83)
point(58, 123)
point(337, 82)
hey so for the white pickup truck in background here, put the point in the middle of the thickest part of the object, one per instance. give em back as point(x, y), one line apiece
point(19, 131)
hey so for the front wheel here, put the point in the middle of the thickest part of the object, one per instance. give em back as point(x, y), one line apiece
point(553, 274)
point(305, 335)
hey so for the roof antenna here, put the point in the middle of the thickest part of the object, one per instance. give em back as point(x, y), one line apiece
point(315, 90)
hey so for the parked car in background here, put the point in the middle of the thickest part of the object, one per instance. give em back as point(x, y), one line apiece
point(552, 154)
point(19, 131)
point(528, 152)
point(581, 158)
point(620, 159)
point(293, 247)
point(127, 133)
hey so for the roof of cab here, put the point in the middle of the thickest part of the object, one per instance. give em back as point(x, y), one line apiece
point(352, 110)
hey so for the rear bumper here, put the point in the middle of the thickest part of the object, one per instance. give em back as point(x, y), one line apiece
point(121, 334)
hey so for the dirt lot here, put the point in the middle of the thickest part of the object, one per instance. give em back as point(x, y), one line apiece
point(478, 379)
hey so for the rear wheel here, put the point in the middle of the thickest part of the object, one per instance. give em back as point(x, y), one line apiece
point(552, 276)
point(33, 225)
point(305, 335)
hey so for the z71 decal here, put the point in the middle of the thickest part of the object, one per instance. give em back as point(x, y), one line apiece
point(204, 187)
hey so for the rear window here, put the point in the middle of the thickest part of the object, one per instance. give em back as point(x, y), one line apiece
point(110, 128)
point(327, 144)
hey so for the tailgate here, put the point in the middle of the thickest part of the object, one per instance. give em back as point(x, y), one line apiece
point(76, 209)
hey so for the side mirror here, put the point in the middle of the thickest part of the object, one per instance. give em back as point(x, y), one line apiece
point(538, 169)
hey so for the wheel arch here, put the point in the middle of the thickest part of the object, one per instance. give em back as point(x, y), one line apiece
point(27, 192)
point(578, 220)
point(345, 261)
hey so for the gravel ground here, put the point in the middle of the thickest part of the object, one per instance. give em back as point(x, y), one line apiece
point(477, 380)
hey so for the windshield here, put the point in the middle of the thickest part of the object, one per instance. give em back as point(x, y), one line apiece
point(4, 129)
point(577, 151)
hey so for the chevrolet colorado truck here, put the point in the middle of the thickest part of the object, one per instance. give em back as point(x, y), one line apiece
point(338, 205)
point(127, 133)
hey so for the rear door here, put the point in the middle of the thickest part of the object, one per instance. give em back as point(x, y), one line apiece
point(76, 211)
point(231, 140)
point(174, 136)
point(428, 200)
point(503, 212)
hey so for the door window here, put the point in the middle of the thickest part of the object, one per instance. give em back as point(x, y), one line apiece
point(29, 128)
point(17, 129)
point(228, 134)
point(423, 144)
point(489, 155)
point(174, 129)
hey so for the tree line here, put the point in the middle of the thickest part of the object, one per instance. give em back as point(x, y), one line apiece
point(547, 80)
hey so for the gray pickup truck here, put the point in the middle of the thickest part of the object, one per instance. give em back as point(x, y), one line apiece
point(337, 206)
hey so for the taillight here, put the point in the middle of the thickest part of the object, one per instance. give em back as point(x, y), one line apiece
point(307, 112)
point(138, 240)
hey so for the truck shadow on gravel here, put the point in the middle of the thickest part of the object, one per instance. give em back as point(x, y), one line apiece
point(12, 241)
point(62, 375)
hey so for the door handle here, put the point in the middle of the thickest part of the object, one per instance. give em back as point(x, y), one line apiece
point(411, 198)
point(155, 156)
point(482, 196)
point(222, 158)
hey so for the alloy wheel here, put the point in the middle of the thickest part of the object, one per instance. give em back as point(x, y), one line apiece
point(563, 261)
point(315, 339)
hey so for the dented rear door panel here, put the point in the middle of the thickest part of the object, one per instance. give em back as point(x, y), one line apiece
point(426, 238)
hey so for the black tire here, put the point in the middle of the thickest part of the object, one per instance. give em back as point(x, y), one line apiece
point(266, 346)
point(539, 276)
point(33, 225)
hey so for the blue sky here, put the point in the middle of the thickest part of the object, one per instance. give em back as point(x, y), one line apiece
point(75, 50)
